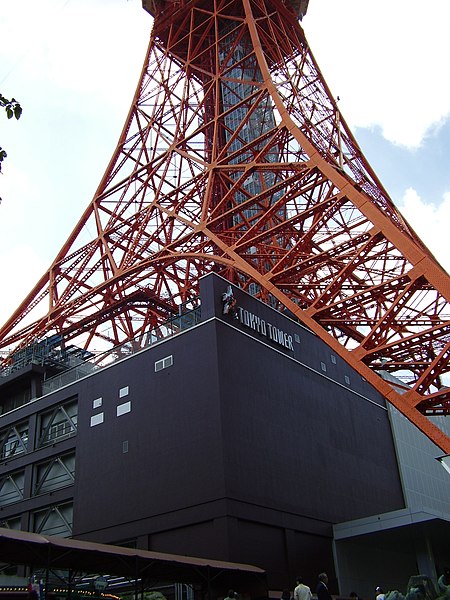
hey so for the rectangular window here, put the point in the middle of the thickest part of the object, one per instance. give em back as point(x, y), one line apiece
point(347, 379)
point(14, 523)
point(123, 409)
point(123, 392)
point(11, 488)
point(333, 359)
point(164, 363)
point(97, 403)
point(14, 440)
point(97, 419)
point(54, 474)
point(54, 520)
point(58, 422)
point(323, 366)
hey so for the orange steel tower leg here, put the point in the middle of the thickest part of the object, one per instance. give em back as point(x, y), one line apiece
point(235, 158)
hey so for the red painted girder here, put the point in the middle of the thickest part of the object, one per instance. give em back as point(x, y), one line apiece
point(322, 237)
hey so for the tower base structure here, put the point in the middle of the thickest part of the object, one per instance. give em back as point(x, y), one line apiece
point(239, 436)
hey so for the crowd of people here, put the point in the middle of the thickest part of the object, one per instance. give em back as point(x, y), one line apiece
point(414, 592)
point(303, 592)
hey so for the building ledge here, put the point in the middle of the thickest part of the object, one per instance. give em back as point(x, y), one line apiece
point(388, 521)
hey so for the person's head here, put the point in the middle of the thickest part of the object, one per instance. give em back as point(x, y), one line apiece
point(378, 590)
point(323, 577)
point(230, 593)
point(353, 595)
point(299, 579)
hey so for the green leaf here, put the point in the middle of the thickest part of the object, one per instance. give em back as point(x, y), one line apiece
point(17, 111)
point(9, 112)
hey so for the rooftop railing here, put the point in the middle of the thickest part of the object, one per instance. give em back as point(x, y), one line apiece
point(168, 329)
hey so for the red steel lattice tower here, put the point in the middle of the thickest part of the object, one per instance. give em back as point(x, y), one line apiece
point(234, 158)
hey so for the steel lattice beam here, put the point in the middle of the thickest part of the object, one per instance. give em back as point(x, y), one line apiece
point(235, 158)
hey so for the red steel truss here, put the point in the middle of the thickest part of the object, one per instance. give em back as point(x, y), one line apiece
point(235, 158)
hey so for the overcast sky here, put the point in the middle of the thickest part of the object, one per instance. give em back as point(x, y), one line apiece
point(74, 65)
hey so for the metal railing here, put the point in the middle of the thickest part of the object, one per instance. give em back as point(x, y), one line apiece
point(168, 329)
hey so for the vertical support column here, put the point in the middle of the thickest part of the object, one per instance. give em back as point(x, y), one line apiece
point(31, 446)
point(425, 557)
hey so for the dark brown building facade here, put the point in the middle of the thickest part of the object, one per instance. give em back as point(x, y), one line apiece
point(242, 437)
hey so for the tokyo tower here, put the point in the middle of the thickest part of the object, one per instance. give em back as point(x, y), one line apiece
point(235, 158)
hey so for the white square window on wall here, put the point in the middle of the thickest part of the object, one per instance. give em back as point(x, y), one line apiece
point(123, 392)
point(97, 403)
point(97, 419)
point(123, 409)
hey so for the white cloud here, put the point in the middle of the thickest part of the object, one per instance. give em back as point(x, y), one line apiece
point(74, 66)
point(387, 61)
point(75, 55)
point(430, 222)
point(21, 263)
